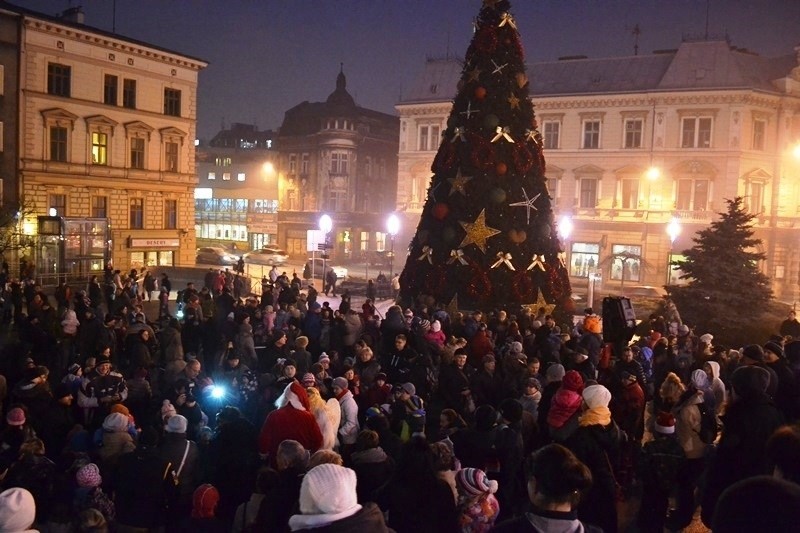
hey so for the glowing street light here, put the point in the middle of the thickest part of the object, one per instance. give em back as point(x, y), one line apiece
point(393, 228)
point(325, 224)
point(653, 173)
point(565, 227)
point(673, 230)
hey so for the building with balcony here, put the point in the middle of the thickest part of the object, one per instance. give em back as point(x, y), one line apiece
point(633, 143)
point(341, 159)
point(236, 199)
point(104, 140)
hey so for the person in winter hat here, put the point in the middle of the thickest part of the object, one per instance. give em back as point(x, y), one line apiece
point(712, 370)
point(477, 506)
point(17, 511)
point(596, 443)
point(291, 421)
point(557, 481)
point(89, 494)
point(660, 461)
point(435, 336)
point(328, 500)
point(562, 418)
point(116, 439)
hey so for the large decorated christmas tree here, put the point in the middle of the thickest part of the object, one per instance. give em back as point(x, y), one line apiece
point(487, 237)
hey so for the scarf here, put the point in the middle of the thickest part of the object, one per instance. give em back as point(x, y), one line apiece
point(597, 416)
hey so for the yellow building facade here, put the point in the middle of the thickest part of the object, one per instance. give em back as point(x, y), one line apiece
point(107, 130)
point(641, 154)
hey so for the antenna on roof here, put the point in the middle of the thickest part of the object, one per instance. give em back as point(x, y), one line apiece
point(708, 9)
point(637, 31)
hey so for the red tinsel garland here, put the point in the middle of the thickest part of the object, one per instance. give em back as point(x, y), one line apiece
point(479, 287)
point(435, 280)
point(482, 155)
point(555, 281)
point(486, 39)
point(522, 287)
point(523, 159)
point(445, 159)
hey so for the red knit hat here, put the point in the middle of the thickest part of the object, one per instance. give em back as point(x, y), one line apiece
point(573, 381)
point(204, 501)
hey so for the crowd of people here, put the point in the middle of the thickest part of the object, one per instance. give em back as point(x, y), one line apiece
point(277, 412)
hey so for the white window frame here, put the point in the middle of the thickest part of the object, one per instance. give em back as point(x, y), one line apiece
point(695, 141)
point(548, 136)
point(759, 138)
point(585, 144)
point(625, 125)
point(428, 137)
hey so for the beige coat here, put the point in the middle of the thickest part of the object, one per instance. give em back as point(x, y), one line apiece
point(687, 426)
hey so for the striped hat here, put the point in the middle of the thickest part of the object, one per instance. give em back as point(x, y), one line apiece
point(473, 482)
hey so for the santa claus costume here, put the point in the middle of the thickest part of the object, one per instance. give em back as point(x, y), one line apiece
point(292, 420)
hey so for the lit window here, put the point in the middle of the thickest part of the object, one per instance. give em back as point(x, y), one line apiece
point(226, 176)
point(212, 175)
point(585, 259)
point(240, 176)
point(626, 262)
point(99, 148)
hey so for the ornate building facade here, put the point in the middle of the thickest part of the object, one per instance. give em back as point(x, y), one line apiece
point(106, 145)
point(340, 159)
point(642, 152)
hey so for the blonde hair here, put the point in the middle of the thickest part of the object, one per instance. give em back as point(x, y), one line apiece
point(672, 388)
point(315, 400)
point(321, 457)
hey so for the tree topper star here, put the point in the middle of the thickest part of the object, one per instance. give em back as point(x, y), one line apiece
point(528, 204)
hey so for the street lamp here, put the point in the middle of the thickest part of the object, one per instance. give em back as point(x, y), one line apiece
point(393, 227)
point(673, 230)
point(325, 226)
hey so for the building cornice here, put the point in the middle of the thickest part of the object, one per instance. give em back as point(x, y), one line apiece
point(113, 44)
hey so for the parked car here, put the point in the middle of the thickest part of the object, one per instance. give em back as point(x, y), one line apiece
point(216, 255)
point(341, 272)
point(269, 255)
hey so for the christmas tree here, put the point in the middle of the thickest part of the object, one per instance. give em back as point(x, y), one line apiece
point(487, 237)
point(722, 269)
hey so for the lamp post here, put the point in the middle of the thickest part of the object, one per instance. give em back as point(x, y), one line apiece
point(325, 226)
point(393, 228)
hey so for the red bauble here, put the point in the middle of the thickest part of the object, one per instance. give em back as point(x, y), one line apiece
point(501, 168)
point(480, 93)
point(440, 211)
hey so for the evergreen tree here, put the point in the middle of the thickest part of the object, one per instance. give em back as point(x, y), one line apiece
point(487, 237)
point(726, 288)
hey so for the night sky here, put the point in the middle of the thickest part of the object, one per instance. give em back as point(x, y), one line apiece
point(268, 55)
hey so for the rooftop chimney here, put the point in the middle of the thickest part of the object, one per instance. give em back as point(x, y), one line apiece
point(73, 14)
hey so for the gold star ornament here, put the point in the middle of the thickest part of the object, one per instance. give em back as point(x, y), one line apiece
point(540, 303)
point(474, 74)
point(513, 101)
point(457, 184)
point(478, 232)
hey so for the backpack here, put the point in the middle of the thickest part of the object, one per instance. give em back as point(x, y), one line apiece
point(708, 424)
